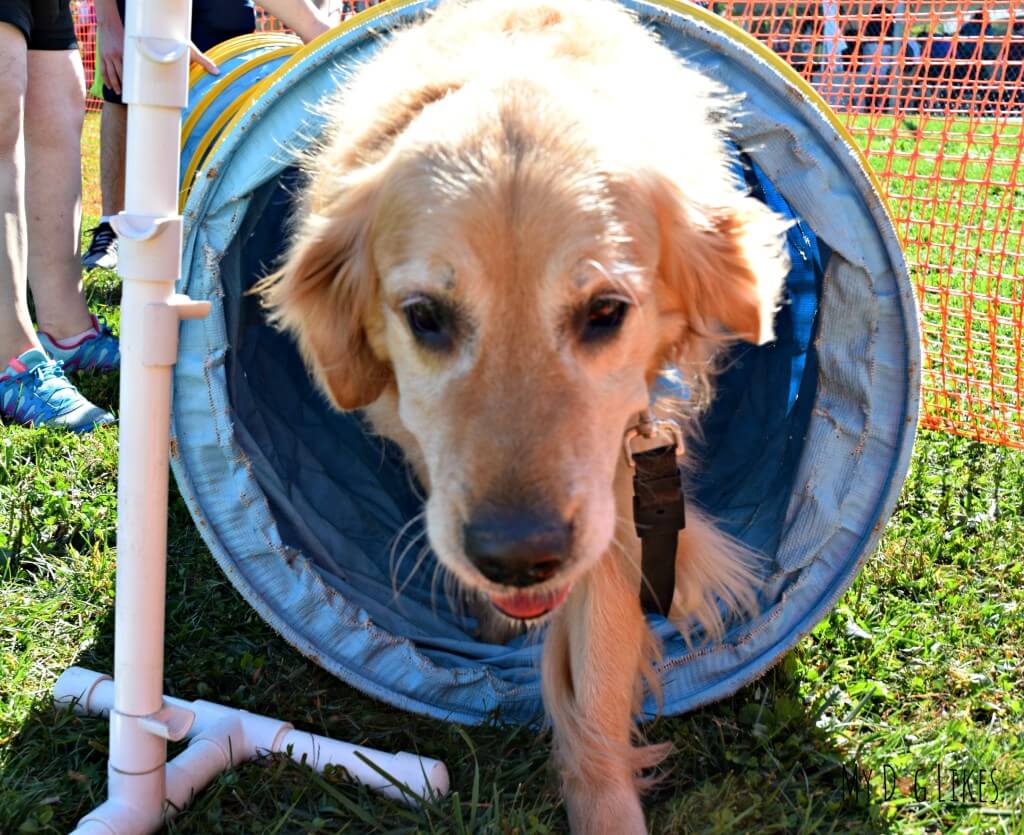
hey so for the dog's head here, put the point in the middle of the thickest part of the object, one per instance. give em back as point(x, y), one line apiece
point(512, 273)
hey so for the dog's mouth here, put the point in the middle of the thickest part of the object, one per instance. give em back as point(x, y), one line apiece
point(526, 604)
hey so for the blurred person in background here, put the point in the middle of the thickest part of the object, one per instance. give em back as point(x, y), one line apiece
point(875, 61)
point(936, 71)
point(977, 48)
point(1013, 90)
point(42, 105)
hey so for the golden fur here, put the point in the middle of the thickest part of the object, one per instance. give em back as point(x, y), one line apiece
point(517, 158)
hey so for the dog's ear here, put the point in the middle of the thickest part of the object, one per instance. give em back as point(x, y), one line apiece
point(724, 265)
point(326, 293)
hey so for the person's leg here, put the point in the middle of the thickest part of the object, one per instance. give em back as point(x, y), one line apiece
point(33, 388)
point(16, 333)
point(102, 250)
point(113, 132)
point(103, 247)
point(54, 110)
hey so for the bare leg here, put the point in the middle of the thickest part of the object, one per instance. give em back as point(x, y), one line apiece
point(54, 110)
point(16, 334)
point(113, 130)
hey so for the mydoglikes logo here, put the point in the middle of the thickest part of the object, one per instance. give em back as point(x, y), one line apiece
point(937, 783)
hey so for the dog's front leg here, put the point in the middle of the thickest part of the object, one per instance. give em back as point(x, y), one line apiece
point(594, 654)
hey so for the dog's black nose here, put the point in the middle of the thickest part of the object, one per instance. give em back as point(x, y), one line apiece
point(517, 547)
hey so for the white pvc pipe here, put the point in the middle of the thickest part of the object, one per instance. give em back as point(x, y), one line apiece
point(141, 536)
point(112, 817)
point(156, 132)
point(222, 737)
point(128, 809)
point(154, 92)
point(192, 770)
point(421, 776)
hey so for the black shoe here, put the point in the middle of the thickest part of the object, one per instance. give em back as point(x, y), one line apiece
point(102, 251)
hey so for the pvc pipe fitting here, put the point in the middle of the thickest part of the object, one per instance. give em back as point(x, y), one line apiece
point(221, 737)
point(77, 687)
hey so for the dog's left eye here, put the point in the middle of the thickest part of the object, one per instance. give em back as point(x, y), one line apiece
point(603, 318)
point(431, 322)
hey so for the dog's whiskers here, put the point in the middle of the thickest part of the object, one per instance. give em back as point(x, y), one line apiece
point(414, 484)
point(423, 554)
point(395, 566)
point(453, 594)
point(438, 568)
point(395, 589)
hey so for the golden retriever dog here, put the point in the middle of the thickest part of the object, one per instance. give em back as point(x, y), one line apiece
point(520, 214)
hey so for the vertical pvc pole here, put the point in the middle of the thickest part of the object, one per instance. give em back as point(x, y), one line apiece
point(155, 90)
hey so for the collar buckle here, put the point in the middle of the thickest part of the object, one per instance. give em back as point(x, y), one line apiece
point(648, 427)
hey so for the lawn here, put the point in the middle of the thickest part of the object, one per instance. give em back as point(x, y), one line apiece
point(903, 711)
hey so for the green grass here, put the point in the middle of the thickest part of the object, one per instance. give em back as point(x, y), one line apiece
point(920, 667)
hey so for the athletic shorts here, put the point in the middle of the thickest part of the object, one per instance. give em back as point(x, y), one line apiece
point(46, 24)
point(213, 22)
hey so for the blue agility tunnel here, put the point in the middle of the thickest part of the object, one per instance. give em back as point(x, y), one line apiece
point(807, 442)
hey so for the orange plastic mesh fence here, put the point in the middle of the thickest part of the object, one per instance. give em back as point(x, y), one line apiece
point(85, 29)
point(934, 93)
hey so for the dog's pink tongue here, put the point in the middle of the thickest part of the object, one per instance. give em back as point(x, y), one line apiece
point(525, 605)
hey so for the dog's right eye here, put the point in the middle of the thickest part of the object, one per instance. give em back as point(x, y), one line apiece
point(602, 319)
point(431, 323)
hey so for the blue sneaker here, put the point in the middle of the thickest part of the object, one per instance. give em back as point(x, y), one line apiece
point(98, 350)
point(35, 392)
